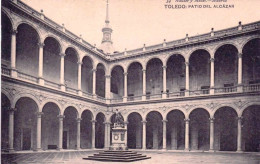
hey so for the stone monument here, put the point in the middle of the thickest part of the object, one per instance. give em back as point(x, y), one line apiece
point(118, 133)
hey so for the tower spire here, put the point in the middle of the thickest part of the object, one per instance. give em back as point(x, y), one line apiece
point(107, 17)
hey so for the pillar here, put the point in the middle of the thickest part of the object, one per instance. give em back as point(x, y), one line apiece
point(211, 139)
point(93, 133)
point(125, 124)
point(13, 54)
point(94, 83)
point(212, 76)
point(187, 146)
point(108, 85)
point(11, 129)
point(144, 85)
point(164, 95)
point(40, 69)
point(144, 135)
point(62, 84)
point(61, 117)
point(164, 134)
point(174, 137)
point(125, 87)
point(39, 130)
point(239, 134)
point(239, 78)
point(155, 137)
point(78, 133)
point(79, 78)
point(187, 79)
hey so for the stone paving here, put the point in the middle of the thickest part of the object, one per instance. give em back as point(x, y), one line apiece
point(158, 157)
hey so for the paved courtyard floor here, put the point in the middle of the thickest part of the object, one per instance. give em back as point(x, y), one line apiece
point(159, 157)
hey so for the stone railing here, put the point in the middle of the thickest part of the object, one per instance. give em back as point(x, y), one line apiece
point(134, 98)
point(116, 100)
point(51, 84)
point(71, 90)
point(153, 96)
point(27, 77)
point(251, 88)
point(86, 94)
point(226, 89)
point(5, 71)
point(100, 98)
point(199, 92)
point(176, 94)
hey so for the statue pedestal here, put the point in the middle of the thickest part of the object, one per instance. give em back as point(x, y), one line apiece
point(118, 139)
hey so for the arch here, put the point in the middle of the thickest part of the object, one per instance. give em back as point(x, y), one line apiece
point(240, 113)
point(132, 62)
point(32, 26)
point(101, 64)
point(75, 50)
point(86, 129)
point(134, 130)
point(100, 80)
point(51, 101)
point(3, 91)
point(92, 115)
point(28, 95)
point(67, 106)
point(8, 16)
point(55, 38)
point(100, 130)
point(115, 66)
point(224, 105)
point(154, 110)
point(136, 111)
point(117, 81)
point(199, 107)
point(223, 44)
point(153, 58)
point(175, 53)
point(198, 49)
point(89, 57)
point(102, 113)
point(248, 40)
point(166, 114)
point(5, 106)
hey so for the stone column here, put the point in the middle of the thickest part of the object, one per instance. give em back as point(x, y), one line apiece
point(212, 76)
point(108, 85)
point(40, 69)
point(187, 146)
point(211, 139)
point(174, 137)
point(155, 137)
point(144, 85)
point(93, 133)
point(164, 95)
point(94, 83)
point(79, 78)
point(61, 117)
point(240, 76)
point(39, 130)
point(11, 129)
point(13, 54)
point(239, 134)
point(125, 87)
point(187, 79)
point(164, 134)
point(62, 84)
point(125, 124)
point(78, 133)
point(144, 135)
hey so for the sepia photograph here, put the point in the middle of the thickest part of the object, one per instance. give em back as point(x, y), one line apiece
point(145, 82)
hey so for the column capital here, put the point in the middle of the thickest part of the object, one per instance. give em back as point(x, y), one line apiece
point(144, 70)
point(39, 114)
point(108, 76)
point(78, 120)
point(164, 66)
point(164, 121)
point(125, 73)
point(212, 59)
point(107, 122)
point(14, 31)
point(126, 122)
point(12, 110)
point(94, 70)
point(240, 118)
point(239, 55)
point(211, 119)
point(93, 121)
point(144, 122)
point(62, 54)
point(187, 120)
point(187, 63)
point(61, 117)
point(79, 63)
point(41, 45)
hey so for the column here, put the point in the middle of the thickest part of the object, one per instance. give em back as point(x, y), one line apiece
point(79, 78)
point(126, 123)
point(93, 133)
point(61, 117)
point(39, 130)
point(108, 85)
point(239, 134)
point(174, 137)
point(13, 54)
point(187, 147)
point(164, 95)
point(11, 129)
point(78, 133)
point(164, 134)
point(40, 69)
point(211, 139)
point(144, 85)
point(94, 83)
point(212, 83)
point(187, 79)
point(239, 78)
point(144, 135)
point(62, 84)
point(125, 87)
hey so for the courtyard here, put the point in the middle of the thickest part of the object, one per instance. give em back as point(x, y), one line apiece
point(71, 157)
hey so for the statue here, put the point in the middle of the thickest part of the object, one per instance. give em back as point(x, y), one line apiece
point(119, 121)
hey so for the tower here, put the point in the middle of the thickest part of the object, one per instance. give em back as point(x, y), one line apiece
point(107, 44)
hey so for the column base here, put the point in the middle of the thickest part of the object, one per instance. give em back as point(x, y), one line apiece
point(240, 88)
point(187, 93)
point(78, 148)
point(62, 87)
point(143, 97)
point(14, 73)
point(211, 91)
point(38, 150)
point(164, 149)
point(107, 101)
point(186, 150)
point(94, 96)
point(164, 95)
point(212, 150)
point(124, 99)
point(41, 81)
point(11, 150)
point(79, 92)
point(239, 151)
point(59, 149)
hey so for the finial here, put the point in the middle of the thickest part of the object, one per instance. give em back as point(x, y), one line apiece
point(107, 17)
point(42, 11)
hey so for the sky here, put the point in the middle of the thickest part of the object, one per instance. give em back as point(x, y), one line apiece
point(138, 22)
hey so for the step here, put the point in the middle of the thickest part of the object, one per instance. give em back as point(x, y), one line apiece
point(111, 157)
point(118, 155)
point(118, 160)
point(118, 152)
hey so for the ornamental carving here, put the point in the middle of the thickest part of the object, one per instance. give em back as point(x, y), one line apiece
point(212, 105)
point(239, 104)
point(187, 107)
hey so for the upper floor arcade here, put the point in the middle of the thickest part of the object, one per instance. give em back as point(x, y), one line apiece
point(218, 62)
